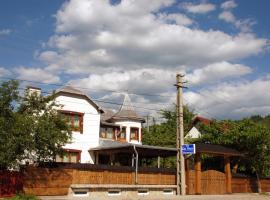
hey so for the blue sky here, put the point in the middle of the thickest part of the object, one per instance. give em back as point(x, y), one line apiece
point(222, 47)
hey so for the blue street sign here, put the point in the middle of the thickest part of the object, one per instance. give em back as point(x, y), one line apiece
point(188, 149)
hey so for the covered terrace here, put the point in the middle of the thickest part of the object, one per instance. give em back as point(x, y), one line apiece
point(127, 154)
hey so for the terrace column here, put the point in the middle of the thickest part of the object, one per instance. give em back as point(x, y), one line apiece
point(198, 174)
point(158, 162)
point(228, 175)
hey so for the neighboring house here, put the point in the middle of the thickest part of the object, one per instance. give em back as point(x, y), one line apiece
point(194, 131)
point(91, 126)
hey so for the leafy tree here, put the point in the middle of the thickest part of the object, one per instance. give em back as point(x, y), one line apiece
point(261, 120)
point(48, 130)
point(164, 134)
point(30, 127)
point(9, 147)
point(245, 136)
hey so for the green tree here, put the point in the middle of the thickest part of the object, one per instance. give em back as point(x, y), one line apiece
point(164, 134)
point(246, 136)
point(30, 127)
point(261, 120)
point(9, 137)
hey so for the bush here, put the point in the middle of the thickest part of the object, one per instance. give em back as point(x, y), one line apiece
point(23, 197)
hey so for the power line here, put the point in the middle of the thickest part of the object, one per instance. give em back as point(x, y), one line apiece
point(108, 102)
point(120, 92)
point(87, 88)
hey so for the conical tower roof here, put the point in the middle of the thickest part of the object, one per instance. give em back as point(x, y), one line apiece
point(127, 111)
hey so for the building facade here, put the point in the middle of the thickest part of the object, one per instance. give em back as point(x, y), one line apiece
point(91, 125)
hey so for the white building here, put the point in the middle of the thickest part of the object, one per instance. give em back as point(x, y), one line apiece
point(194, 131)
point(92, 127)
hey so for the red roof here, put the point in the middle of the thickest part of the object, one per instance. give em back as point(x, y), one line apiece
point(201, 119)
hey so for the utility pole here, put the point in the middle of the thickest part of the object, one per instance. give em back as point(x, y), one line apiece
point(181, 177)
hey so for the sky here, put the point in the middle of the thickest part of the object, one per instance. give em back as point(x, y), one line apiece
point(110, 47)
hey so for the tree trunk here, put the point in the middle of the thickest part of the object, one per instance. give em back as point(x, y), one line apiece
point(258, 183)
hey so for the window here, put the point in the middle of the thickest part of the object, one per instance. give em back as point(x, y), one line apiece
point(107, 132)
point(70, 156)
point(74, 120)
point(113, 133)
point(121, 135)
point(134, 133)
point(114, 192)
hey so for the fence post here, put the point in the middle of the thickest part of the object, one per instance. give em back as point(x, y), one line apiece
point(198, 174)
point(187, 175)
point(228, 175)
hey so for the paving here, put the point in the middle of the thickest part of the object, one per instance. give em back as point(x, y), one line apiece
point(253, 196)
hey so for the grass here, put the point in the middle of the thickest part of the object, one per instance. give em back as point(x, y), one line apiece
point(22, 197)
point(265, 193)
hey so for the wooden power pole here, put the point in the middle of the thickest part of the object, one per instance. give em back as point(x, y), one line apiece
point(181, 178)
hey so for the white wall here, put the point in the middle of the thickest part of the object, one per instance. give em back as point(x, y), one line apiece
point(193, 133)
point(128, 125)
point(91, 123)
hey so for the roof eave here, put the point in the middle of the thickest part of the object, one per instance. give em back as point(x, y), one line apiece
point(115, 118)
point(82, 95)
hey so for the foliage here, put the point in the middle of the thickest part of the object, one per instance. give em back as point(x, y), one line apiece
point(30, 127)
point(9, 124)
point(261, 120)
point(249, 136)
point(23, 197)
point(245, 136)
point(164, 134)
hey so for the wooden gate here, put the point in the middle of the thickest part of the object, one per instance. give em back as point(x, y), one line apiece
point(212, 182)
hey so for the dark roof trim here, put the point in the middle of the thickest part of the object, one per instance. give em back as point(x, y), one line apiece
point(139, 119)
point(103, 123)
point(126, 144)
point(33, 87)
point(143, 150)
point(216, 150)
point(200, 148)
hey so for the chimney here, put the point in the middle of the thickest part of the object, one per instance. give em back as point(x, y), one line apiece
point(31, 90)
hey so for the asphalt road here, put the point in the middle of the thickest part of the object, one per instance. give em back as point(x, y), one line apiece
point(188, 197)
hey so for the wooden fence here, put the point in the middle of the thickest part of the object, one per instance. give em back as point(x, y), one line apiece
point(249, 185)
point(10, 183)
point(57, 180)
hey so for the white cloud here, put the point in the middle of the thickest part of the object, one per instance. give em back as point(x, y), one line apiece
point(5, 32)
point(178, 19)
point(228, 5)
point(201, 8)
point(36, 74)
point(217, 72)
point(138, 81)
point(227, 16)
point(135, 46)
point(130, 36)
point(244, 25)
point(233, 100)
point(4, 72)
